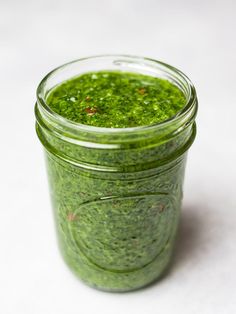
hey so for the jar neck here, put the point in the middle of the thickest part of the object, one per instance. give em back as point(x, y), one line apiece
point(108, 138)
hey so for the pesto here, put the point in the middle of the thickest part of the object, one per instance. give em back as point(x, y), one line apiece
point(116, 99)
point(116, 197)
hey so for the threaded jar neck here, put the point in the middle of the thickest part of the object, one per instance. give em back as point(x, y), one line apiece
point(53, 129)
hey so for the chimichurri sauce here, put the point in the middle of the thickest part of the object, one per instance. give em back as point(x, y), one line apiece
point(116, 228)
point(116, 99)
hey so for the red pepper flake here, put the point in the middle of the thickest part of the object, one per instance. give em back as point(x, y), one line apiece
point(71, 217)
point(161, 208)
point(141, 91)
point(87, 98)
point(158, 208)
point(91, 110)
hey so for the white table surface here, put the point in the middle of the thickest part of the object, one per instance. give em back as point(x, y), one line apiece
point(195, 36)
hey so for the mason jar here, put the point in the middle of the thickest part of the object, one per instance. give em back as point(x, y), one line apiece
point(116, 192)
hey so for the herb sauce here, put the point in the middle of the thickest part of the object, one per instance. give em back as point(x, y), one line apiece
point(116, 210)
point(116, 99)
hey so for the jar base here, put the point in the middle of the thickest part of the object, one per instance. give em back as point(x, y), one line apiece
point(108, 281)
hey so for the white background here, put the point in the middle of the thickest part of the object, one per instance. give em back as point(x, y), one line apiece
point(196, 36)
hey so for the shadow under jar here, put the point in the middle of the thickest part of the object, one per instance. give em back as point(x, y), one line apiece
point(116, 192)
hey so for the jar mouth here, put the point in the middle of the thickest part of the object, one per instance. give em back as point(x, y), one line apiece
point(143, 64)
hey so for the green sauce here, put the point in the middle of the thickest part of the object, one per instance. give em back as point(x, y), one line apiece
point(116, 99)
point(116, 209)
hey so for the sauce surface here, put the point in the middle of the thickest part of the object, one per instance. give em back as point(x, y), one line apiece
point(115, 99)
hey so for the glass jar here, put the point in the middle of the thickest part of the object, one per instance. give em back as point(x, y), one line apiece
point(116, 192)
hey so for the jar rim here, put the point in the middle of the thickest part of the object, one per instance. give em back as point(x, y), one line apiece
point(190, 107)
